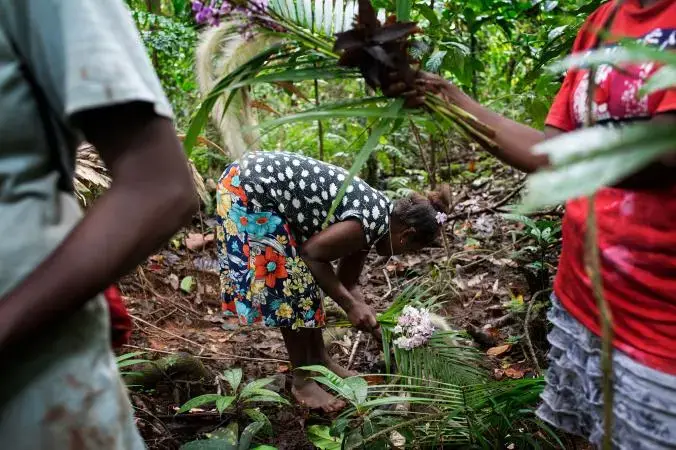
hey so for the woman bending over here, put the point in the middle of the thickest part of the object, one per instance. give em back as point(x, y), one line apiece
point(275, 254)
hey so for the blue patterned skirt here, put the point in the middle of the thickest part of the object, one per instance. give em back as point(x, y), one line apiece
point(263, 280)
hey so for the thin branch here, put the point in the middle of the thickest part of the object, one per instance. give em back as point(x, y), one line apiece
point(491, 208)
point(526, 333)
point(224, 356)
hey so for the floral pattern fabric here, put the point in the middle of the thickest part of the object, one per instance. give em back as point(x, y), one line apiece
point(263, 279)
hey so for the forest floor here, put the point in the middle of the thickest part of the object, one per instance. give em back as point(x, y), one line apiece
point(480, 275)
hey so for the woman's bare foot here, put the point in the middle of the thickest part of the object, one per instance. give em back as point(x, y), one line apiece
point(308, 393)
point(336, 368)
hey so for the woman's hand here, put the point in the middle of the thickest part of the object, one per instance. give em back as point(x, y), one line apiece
point(362, 316)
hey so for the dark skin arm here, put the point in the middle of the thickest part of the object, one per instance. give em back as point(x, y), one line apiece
point(151, 197)
point(338, 241)
point(515, 141)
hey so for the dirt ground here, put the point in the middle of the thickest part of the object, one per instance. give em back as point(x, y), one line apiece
point(477, 272)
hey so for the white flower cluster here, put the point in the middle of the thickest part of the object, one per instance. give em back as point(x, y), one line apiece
point(414, 327)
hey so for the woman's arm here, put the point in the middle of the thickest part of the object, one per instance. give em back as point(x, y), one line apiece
point(350, 268)
point(151, 197)
point(337, 241)
point(514, 140)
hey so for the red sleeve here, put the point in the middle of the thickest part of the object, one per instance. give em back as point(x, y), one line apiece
point(668, 102)
point(560, 116)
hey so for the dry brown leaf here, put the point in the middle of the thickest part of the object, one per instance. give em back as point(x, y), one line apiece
point(514, 373)
point(499, 350)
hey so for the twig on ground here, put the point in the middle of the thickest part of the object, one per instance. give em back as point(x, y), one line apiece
point(491, 208)
point(526, 334)
point(354, 349)
point(224, 356)
point(389, 284)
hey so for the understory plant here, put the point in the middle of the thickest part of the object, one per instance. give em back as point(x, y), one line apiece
point(239, 400)
point(437, 394)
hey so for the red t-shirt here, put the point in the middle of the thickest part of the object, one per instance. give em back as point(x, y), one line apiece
point(637, 229)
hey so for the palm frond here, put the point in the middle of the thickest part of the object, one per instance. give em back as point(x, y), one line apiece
point(221, 50)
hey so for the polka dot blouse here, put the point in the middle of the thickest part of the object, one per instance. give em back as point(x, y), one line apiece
point(302, 190)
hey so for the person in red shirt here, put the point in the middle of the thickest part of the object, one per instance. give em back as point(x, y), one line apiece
point(636, 237)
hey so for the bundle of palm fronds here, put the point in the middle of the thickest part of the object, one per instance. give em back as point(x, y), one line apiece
point(91, 177)
point(287, 41)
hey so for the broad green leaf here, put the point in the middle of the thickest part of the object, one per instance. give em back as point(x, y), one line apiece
point(614, 56)
point(584, 161)
point(254, 386)
point(198, 401)
point(256, 415)
point(435, 60)
point(223, 403)
point(530, 223)
point(403, 10)
point(331, 380)
point(270, 397)
point(320, 436)
point(359, 387)
point(234, 378)
point(248, 434)
point(187, 284)
point(429, 14)
point(264, 447)
point(664, 78)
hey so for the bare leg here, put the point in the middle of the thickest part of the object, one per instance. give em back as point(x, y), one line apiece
point(306, 347)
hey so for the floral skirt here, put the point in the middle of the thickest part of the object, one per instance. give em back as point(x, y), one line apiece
point(263, 280)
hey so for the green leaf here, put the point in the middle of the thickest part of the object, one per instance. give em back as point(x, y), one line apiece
point(269, 397)
point(248, 434)
point(199, 401)
point(628, 53)
point(435, 61)
point(234, 378)
point(255, 386)
point(381, 126)
point(664, 78)
point(331, 380)
point(223, 403)
point(429, 14)
point(187, 284)
point(128, 356)
point(208, 444)
point(256, 415)
point(264, 447)
point(584, 161)
point(360, 388)
point(403, 10)
point(320, 436)
point(131, 362)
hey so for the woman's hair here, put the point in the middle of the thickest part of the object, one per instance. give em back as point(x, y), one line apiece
point(420, 212)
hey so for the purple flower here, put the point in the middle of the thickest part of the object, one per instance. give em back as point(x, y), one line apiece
point(441, 218)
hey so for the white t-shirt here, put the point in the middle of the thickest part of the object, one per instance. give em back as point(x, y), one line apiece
point(84, 54)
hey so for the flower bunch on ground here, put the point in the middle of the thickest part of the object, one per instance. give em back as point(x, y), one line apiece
point(414, 328)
